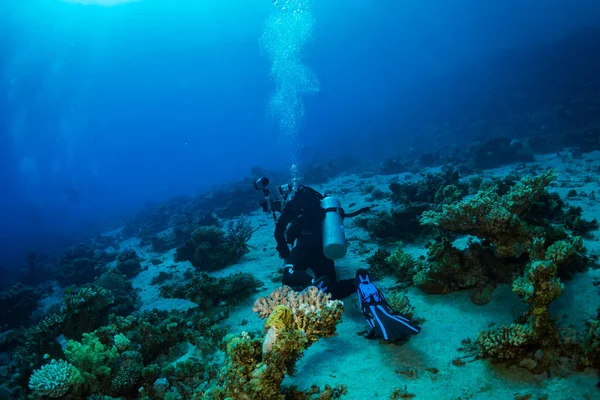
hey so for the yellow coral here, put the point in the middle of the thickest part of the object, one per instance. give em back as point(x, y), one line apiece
point(281, 317)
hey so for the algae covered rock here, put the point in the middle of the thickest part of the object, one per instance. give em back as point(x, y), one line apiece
point(129, 264)
point(212, 247)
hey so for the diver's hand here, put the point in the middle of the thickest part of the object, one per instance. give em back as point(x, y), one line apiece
point(284, 251)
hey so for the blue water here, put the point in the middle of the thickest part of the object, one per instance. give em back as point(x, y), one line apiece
point(136, 102)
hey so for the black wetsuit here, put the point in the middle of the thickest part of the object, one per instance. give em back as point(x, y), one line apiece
point(305, 214)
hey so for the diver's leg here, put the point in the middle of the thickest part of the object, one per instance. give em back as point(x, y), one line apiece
point(325, 267)
point(343, 288)
point(294, 271)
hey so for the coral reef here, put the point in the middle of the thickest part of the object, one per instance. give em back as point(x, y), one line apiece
point(127, 356)
point(169, 224)
point(590, 348)
point(400, 223)
point(498, 151)
point(94, 360)
point(506, 219)
point(315, 393)
point(440, 188)
point(174, 236)
point(403, 265)
point(103, 242)
point(85, 310)
point(378, 262)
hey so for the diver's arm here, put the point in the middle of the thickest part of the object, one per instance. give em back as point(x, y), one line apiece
point(289, 213)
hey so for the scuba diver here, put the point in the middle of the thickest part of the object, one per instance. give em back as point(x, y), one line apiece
point(305, 216)
point(312, 223)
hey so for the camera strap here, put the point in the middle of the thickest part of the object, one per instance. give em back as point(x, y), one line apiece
point(355, 213)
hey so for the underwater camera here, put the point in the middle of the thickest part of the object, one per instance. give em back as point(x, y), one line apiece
point(269, 203)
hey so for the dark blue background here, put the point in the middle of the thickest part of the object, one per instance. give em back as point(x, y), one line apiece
point(147, 100)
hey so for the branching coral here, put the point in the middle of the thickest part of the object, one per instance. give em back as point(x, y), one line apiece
point(85, 310)
point(505, 342)
point(312, 310)
point(379, 265)
point(93, 359)
point(238, 234)
point(403, 264)
point(515, 224)
point(400, 303)
point(445, 270)
point(400, 223)
point(591, 345)
point(538, 287)
point(54, 380)
point(493, 217)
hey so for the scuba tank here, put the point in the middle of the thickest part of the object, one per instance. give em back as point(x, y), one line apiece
point(335, 244)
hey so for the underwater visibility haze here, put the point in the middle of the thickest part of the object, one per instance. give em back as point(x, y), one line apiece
point(270, 199)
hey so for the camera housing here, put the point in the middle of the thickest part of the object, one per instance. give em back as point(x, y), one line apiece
point(271, 204)
point(285, 190)
point(261, 183)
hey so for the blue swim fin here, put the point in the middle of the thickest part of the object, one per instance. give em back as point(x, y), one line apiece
point(384, 322)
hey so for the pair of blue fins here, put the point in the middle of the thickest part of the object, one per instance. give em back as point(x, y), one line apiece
point(385, 323)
